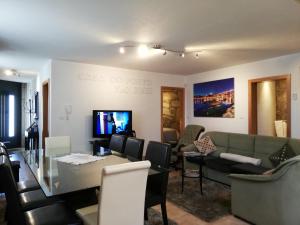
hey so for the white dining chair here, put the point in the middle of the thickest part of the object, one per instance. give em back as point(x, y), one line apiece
point(57, 145)
point(122, 196)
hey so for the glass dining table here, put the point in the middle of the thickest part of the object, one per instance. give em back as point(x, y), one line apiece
point(57, 178)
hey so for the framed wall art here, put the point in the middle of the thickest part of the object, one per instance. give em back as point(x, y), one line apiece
point(214, 98)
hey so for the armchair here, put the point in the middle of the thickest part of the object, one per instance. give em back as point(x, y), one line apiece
point(268, 199)
point(190, 134)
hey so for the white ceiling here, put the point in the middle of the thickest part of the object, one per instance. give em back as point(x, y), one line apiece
point(229, 32)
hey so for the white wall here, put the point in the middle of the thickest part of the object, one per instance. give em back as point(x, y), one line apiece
point(84, 87)
point(242, 73)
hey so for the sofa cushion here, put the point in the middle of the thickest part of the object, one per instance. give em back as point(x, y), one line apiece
point(265, 146)
point(247, 168)
point(241, 144)
point(295, 145)
point(220, 139)
point(219, 164)
point(283, 154)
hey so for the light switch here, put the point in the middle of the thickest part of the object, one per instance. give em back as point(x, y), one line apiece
point(295, 96)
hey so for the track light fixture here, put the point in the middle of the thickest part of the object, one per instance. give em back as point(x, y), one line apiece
point(10, 72)
point(144, 50)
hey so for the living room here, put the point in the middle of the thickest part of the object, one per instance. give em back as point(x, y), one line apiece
point(111, 55)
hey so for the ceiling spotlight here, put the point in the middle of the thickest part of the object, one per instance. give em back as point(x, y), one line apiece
point(122, 50)
point(165, 52)
point(181, 54)
point(197, 55)
point(9, 72)
point(157, 46)
point(143, 50)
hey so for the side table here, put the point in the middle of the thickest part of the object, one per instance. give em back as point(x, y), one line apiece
point(195, 157)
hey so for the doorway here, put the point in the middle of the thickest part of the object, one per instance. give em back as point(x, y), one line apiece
point(172, 112)
point(10, 113)
point(45, 132)
point(270, 106)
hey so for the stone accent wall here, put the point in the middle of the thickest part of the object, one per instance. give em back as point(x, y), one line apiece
point(281, 100)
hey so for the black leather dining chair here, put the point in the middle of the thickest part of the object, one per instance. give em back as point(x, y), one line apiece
point(159, 155)
point(134, 148)
point(28, 200)
point(22, 186)
point(117, 143)
point(18, 214)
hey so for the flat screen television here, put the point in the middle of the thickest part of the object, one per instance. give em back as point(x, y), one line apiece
point(108, 122)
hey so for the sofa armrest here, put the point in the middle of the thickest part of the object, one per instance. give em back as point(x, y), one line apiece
point(254, 178)
point(277, 174)
point(189, 148)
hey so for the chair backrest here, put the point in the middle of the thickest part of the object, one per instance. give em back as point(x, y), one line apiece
point(190, 134)
point(158, 154)
point(117, 143)
point(15, 215)
point(3, 151)
point(57, 145)
point(134, 148)
point(122, 196)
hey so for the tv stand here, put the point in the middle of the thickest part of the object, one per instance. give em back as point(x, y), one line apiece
point(102, 142)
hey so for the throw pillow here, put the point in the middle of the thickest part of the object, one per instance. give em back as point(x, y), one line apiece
point(283, 154)
point(205, 145)
point(241, 158)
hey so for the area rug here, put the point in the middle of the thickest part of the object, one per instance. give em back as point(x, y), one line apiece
point(212, 205)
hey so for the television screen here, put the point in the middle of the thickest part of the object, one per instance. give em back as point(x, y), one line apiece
point(108, 122)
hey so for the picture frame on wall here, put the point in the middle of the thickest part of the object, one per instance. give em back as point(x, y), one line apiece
point(214, 99)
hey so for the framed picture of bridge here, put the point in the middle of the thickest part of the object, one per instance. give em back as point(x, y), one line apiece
point(214, 98)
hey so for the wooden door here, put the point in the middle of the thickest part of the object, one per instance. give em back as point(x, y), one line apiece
point(45, 132)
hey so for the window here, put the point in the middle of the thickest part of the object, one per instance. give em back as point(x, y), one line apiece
point(11, 116)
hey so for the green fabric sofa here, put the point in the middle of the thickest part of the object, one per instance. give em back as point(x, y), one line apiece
point(268, 199)
point(260, 199)
point(256, 146)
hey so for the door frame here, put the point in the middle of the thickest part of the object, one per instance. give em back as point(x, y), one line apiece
point(45, 90)
point(252, 101)
point(182, 118)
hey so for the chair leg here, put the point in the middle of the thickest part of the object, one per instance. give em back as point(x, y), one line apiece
point(164, 213)
point(146, 214)
point(182, 182)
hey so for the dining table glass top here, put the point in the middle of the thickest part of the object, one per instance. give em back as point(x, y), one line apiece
point(56, 177)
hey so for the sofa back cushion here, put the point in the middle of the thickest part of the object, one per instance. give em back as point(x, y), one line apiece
point(220, 140)
point(265, 146)
point(241, 144)
point(295, 145)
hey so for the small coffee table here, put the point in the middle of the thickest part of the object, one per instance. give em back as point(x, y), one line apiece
point(198, 158)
